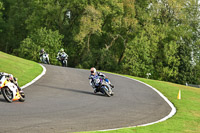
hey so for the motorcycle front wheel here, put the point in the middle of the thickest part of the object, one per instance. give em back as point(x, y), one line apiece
point(8, 94)
point(22, 97)
point(64, 63)
point(47, 61)
point(106, 90)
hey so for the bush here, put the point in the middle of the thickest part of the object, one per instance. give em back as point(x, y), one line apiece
point(50, 40)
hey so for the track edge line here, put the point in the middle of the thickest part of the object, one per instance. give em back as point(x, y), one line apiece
point(37, 78)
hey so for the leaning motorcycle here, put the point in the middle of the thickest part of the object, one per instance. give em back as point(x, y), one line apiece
point(102, 86)
point(45, 58)
point(63, 59)
point(10, 91)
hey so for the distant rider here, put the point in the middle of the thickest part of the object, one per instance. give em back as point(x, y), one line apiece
point(60, 54)
point(42, 52)
point(95, 73)
point(12, 79)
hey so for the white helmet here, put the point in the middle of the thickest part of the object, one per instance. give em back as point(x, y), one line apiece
point(93, 70)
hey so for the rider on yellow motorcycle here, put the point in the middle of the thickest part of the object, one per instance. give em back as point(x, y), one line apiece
point(11, 78)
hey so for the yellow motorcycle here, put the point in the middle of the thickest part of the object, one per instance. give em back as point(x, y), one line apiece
point(10, 91)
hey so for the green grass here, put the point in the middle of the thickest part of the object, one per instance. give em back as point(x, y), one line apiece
point(187, 117)
point(22, 69)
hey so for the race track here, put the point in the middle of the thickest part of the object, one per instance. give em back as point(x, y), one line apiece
point(62, 101)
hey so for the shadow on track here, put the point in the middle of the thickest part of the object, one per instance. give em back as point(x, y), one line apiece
point(68, 89)
point(3, 100)
point(72, 90)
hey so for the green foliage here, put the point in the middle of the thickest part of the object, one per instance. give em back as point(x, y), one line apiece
point(172, 43)
point(136, 37)
point(48, 13)
point(90, 23)
point(1, 17)
point(14, 27)
point(138, 56)
point(50, 40)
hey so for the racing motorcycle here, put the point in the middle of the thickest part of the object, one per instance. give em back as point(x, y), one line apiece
point(10, 91)
point(102, 86)
point(63, 59)
point(45, 58)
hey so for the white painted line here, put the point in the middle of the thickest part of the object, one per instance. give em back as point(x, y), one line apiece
point(173, 111)
point(34, 80)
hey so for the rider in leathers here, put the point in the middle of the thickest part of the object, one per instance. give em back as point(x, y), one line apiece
point(12, 79)
point(95, 73)
point(60, 53)
point(42, 52)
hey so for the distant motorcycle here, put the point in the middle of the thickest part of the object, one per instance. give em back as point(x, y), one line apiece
point(45, 58)
point(10, 91)
point(63, 59)
point(102, 86)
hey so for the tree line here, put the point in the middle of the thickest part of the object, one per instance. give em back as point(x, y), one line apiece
point(135, 37)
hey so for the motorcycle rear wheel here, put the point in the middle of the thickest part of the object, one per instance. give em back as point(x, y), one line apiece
point(8, 94)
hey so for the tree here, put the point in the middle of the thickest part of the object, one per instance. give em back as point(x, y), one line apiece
point(2, 22)
point(48, 13)
point(50, 40)
point(90, 23)
point(14, 14)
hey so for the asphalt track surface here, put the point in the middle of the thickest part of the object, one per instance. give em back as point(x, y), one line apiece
point(62, 101)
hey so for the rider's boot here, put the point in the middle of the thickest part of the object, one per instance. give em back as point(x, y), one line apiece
point(20, 89)
point(112, 85)
point(96, 90)
point(112, 93)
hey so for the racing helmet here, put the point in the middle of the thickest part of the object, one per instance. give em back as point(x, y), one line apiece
point(42, 50)
point(10, 77)
point(61, 50)
point(93, 70)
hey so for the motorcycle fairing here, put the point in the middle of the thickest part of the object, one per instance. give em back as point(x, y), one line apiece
point(12, 87)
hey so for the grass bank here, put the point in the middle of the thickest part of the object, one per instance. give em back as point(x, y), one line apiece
point(187, 117)
point(24, 70)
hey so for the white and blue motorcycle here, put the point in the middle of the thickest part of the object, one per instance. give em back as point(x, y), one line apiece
point(45, 58)
point(102, 85)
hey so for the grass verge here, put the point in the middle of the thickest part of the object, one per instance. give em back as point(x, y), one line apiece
point(187, 117)
point(24, 70)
